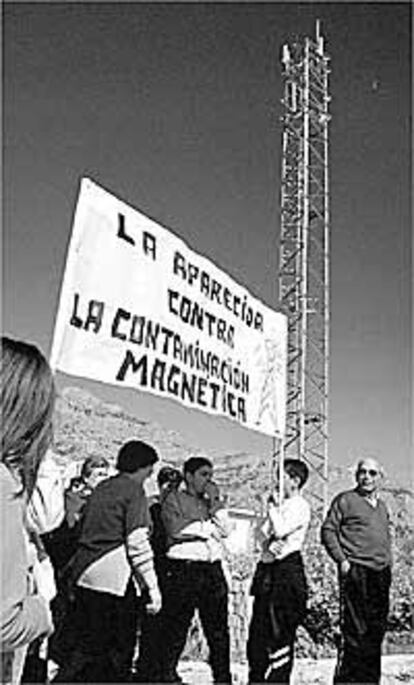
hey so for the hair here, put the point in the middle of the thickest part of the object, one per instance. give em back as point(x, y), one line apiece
point(296, 468)
point(75, 482)
point(375, 461)
point(170, 475)
point(194, 463)
point(135, 455)
point(92, 463)
point(27, 403)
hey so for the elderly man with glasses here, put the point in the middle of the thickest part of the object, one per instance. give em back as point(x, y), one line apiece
point(356, 535)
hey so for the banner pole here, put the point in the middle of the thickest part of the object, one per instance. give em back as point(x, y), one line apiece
point(281, 468)
point(277, 470)
point(68, 269)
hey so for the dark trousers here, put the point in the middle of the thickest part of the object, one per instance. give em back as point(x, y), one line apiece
point(279, 606)
point(190, 585)
point(364, 596)
point(66, 633)
point(148, 667)
point(35, 667)
point(104, 649)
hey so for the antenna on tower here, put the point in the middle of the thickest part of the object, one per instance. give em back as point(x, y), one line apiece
point(286, 57)
point(319, 38)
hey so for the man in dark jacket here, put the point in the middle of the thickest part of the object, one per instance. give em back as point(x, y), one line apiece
point(357, 537)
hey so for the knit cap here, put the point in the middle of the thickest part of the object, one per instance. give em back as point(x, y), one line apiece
point(135, 455)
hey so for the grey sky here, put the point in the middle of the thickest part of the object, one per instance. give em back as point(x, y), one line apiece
point(175, 108)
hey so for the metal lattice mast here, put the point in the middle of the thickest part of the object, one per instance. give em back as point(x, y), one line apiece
point(304, 254)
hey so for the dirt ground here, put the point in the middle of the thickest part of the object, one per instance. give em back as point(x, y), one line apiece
point(396, 669)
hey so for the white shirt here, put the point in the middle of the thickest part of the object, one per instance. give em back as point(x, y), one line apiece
point(285, 528)
point(372, 499)
point(46, 508)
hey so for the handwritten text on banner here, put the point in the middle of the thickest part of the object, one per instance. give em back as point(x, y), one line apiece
point(138, 308)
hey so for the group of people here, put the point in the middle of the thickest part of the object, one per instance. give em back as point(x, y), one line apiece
point(125, 566)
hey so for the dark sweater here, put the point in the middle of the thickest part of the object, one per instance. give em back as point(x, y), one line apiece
point(114, 512)
point(357, 531)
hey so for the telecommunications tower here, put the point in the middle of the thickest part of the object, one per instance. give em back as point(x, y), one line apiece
point(304, 255)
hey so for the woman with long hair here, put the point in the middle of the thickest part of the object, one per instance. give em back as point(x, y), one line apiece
point(27, 401)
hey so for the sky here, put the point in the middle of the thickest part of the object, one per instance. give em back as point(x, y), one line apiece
point(175, 108)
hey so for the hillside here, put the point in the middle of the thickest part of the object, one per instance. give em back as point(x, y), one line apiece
point(85, 425)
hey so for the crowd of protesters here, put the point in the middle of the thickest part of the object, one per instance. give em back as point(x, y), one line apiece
point(87, 568)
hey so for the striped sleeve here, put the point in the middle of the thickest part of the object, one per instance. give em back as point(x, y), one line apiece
point(138, 546)
point(141, 557)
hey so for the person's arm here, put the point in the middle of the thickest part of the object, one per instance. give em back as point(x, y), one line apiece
point(25, 616)
point(139, 550)
point(330, 534)
point(289, 517)
point(41, 568)
point(46, 508)
point(222, 525)
point(217, 511)
point(263, 531)
point(24, 622)
point(389, 535)
point(180, 527)
point(141, 559)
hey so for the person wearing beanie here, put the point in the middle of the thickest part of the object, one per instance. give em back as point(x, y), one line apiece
point(113, 561)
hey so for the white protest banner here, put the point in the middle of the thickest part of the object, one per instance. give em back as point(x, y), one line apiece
point(139, 309)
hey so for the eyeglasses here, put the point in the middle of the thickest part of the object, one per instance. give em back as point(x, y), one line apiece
point(369, 472)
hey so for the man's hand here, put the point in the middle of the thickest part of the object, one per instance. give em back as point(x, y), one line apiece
point(270, 504)
point(273, 499)
point(44, 579)
point(344, 567)
point(276, 547)
point(212, 493)
point(155, 603)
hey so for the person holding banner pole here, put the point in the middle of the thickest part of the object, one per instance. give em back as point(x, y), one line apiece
point(279, 584)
